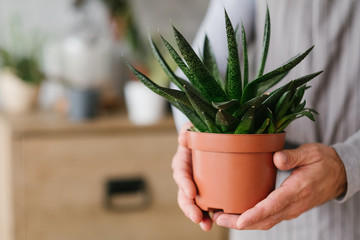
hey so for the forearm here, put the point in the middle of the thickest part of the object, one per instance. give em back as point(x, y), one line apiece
point(349, 153)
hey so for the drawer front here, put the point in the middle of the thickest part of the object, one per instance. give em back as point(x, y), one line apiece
point(74, 189)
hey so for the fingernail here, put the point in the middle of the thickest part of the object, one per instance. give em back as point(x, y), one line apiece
point(223, 222)
point(240, 225)
point(283, 157)
point(205, 227)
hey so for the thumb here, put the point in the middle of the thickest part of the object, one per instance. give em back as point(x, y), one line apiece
point(182, 134)
point(289, 159)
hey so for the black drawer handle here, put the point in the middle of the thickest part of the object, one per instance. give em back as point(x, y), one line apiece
point(127, 194)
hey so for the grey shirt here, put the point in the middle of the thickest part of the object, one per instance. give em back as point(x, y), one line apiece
point(333, 26)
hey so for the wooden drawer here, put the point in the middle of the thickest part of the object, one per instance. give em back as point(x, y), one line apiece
point(60, 184)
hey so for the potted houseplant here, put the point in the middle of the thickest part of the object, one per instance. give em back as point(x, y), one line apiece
point(20, 69)
point(237, 125)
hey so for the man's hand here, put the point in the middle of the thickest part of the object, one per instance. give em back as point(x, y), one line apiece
point(318, 176)
point(182, 166)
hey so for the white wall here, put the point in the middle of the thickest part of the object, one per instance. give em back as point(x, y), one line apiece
point(57, 17)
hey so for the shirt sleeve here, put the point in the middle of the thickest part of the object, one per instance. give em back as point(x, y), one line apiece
point(213, 25)
point(349, 153)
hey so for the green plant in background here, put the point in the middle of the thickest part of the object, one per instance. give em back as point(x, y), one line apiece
point(21, 54)
point(26, 68)
point(234, 104)
point(121, 12)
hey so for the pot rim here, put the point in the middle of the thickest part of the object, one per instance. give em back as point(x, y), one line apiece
point(236, 143)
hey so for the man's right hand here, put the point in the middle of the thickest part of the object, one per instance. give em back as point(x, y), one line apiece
point(183, 175)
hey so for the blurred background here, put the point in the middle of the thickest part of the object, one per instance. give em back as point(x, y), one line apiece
point(85, 149)
point(78, 45)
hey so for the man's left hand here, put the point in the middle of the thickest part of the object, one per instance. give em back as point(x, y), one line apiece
point(318, 175)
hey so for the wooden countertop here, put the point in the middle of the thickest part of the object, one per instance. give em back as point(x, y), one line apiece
point(40, 123)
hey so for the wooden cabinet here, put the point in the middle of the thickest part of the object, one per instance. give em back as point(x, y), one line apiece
point(104, 179)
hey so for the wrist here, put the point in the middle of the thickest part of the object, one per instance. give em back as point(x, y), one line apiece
point(341, 176)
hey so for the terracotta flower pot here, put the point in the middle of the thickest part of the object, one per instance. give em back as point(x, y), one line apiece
point(233, 172)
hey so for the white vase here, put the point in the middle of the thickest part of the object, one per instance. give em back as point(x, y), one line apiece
point(17, 96)
point(144, 107)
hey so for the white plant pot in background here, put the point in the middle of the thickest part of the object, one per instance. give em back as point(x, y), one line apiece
point(144, 107)
point(17, 96)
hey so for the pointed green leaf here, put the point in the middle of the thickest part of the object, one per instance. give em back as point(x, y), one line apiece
point(199, 104)
point(271, 128)
point(192, 116)
point(252, 88)
point(203, 80)
point(245, 56)
point(282, 101)
point(285, 125)
point(178, 60)
point(284, 106)
point(194, 129)
point(237, 33)
point(257, 101)
point(234, 82)
point(181, 64)
point(211, 124)
point(226, 105)
point(210, 61)
point(164, 64)
point(175, 97)
point(266, 43)
point(263, 87)
point(285, 121)
point(308, 112)
point(226, 80)
point(247, 122)
point(300, 107)
point(170, 94)
point(274, 97)
point(188, 85)
point(298, 96)
point(263, 126)
point(312, 110)
point(309, 115)
point(179, 82)
point(201, 109)
point(225, 121)
point(184, 68)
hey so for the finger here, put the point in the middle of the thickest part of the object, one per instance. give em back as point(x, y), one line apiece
point(273, 204)
point(216, 215)
point(265, 224)
point(226, 220)
point(182, 134)
point(182, 158)
point(290, 212)
point(264, 215)
point(182, 172)
point(206, 222)
point(189, 208)
point(289, 159)
point(185, 182)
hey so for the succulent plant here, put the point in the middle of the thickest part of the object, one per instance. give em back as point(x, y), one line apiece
point(232, 105)
point(20, 53)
